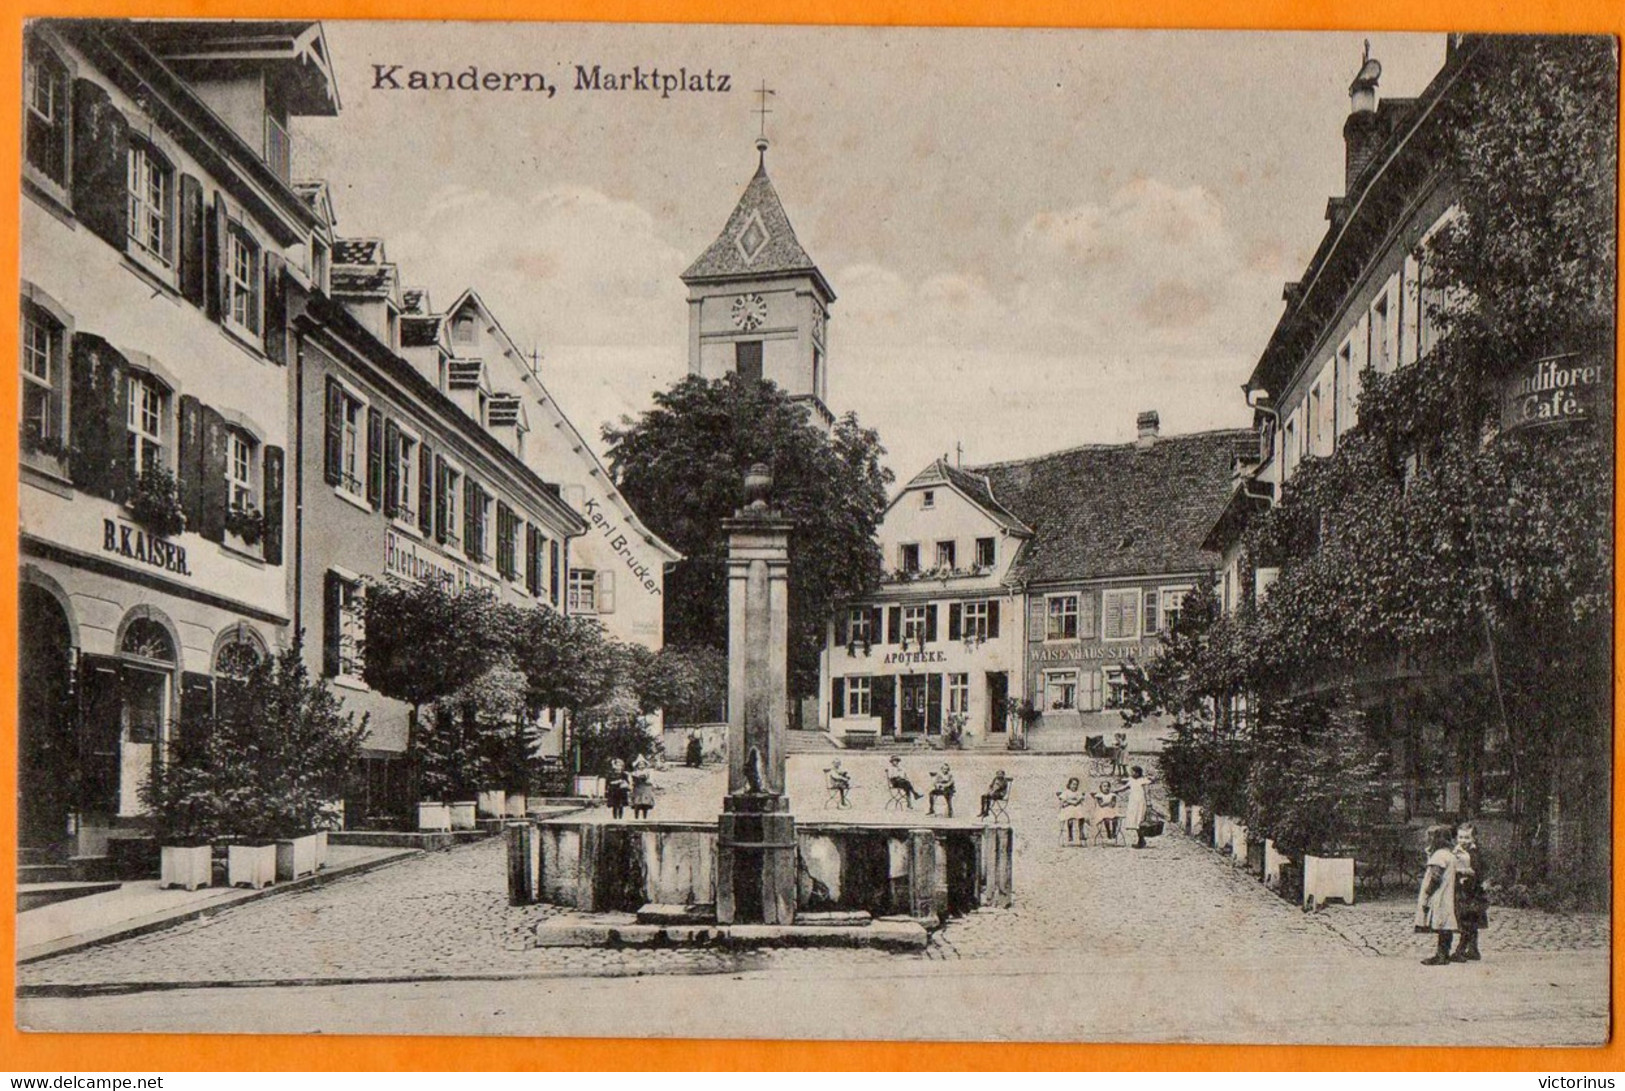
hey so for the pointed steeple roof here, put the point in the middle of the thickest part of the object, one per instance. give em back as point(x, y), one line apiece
point(757, 241)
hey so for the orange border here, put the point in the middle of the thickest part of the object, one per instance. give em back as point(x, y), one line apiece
point(153, 1053)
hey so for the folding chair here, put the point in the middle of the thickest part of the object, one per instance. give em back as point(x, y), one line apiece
point(1104, 828)
point(897, 798)
point(998, 810)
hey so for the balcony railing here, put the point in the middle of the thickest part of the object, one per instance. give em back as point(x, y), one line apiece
point(278, 148)
point(922, 574)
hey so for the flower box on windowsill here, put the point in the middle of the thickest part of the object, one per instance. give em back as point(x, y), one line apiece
point(252, 866)
point(185, 866)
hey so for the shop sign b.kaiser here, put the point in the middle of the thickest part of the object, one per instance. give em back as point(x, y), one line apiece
point(1557, 389)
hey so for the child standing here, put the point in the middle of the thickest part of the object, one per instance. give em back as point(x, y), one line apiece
point(1436, 900)
point(1472, 903)
point(1072, 819)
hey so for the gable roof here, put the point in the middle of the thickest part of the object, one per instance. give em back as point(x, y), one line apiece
point(757, 241)
point(420, 330)
point(1118, 510)
point(973, 486)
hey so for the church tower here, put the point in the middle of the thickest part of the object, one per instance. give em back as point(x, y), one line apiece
point(758, 305)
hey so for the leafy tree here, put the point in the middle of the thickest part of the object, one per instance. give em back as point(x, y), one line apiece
point(1315, 784)
point(689, 684)
point(269, 768)
point(682, 465)
point(1432, 538)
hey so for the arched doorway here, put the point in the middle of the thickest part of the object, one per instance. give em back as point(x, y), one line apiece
point(48, 752)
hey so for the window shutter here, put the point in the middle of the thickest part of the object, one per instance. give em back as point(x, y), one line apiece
point(216, 260)
point(954, 620)
point(101, 151)
point(504, 540)
point(933, 704)
point(333, 457)
point(332, 624)
point(1151, 611)
point(931, 623)
point(197, 714)
point(877, 619)
point(191, 260)
point(471, 544)
point(392, 468)
point(276, 309)
point(532, 582)
point(894, 625)
point(426, 490)
point(441, 528)
point(96, 428)
point(993, 619)
point(883, 702)
point(843, 629)
point(606, 592)
point(553, 572)
point(375, 458)
point(274, 460)
point(1037, 618)
point(837, 699)
point(214, 495)
point(1089, 614)
point(189, 460)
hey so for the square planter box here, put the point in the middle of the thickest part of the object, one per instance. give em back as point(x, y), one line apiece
point(462, 815)
point(434, 816)
point(1274, 862)
point(251, 865)
point(187, 866)
point(590, 787)
point(295, 857)
point(516, 804)
point(492, 804)
point(1238, 843)
point(321, 849)
point(1328, 877)
point(1193, 821)
point(1221, 832)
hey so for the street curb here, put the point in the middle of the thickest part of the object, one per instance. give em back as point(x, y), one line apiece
point(157, 922)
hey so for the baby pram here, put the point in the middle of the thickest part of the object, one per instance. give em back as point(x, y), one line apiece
point(1100, 757)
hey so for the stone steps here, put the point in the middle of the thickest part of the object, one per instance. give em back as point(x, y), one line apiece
point(36, 895)
point(808, 742)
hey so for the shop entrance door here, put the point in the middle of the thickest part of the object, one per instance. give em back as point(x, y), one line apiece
point(914, 704)
point(146, 699)
point(998, 701)
point(47, 750)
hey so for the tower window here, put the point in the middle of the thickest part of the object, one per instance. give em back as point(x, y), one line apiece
point(748, 359)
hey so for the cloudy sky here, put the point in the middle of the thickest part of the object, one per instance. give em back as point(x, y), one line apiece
point(1032, 235)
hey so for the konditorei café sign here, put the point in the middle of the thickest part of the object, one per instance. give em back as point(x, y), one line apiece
point(1556, 389)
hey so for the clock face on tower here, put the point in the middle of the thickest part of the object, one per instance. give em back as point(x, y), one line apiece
point(749, 311)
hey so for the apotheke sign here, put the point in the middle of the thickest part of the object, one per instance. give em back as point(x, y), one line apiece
point(1554, 390)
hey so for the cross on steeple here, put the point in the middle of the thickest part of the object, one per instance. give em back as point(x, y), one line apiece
point(762, 93)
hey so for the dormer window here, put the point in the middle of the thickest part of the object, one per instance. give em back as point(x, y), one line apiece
point(909, 558)
point(946, 555)
point(462, 330)
point(986, 552)
point(928, 499)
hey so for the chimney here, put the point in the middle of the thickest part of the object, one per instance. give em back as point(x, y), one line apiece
point(1147, 423)
point(1362, 131)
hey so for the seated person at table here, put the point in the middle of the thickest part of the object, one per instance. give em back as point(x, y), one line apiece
point(998, 788)
point(942, 785)
point(899, 779)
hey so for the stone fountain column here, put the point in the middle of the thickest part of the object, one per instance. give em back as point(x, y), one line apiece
point(756, 834)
